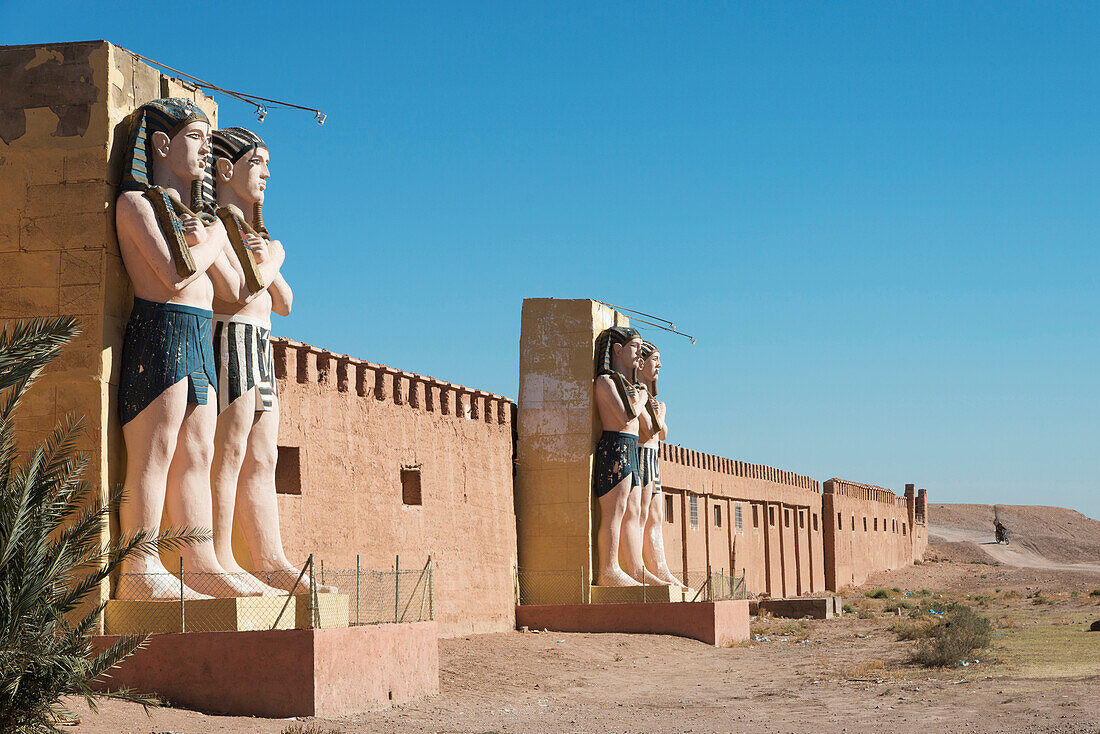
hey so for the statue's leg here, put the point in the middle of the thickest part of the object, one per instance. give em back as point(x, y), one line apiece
point(189, 504)
point(257, 508)
point(653, 541)
point(612, 510)
point(151, 438)
point(632, 541)
point(230, 445)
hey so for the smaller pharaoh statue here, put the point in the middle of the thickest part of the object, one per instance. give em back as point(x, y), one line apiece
point(246, 444)
point(174, 255)
point(617, 479)
point(653, 429)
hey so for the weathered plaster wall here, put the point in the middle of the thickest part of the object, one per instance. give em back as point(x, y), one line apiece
point(63, 110)
point(778, 545)
point(869, 529)
point(356, 425)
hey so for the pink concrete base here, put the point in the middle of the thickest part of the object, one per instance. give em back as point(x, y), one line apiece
point(718, 623)
point(281, 673)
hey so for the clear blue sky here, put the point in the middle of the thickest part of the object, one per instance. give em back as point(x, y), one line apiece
point(879, 219)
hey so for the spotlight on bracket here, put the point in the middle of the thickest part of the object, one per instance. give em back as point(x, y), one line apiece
point(320, 118)
point(261, 113)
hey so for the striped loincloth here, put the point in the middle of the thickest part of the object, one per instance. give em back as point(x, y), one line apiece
point(242, 353)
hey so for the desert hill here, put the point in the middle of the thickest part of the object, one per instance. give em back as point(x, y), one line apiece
point(1038, 533)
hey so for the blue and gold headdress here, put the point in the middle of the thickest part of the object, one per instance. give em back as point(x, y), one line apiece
point(168, 116)
point(616, 335)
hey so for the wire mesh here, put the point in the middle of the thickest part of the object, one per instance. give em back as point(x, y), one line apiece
point(312, 598)
point(572, 587)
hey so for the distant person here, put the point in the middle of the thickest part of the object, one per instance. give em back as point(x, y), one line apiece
point(1000, 531)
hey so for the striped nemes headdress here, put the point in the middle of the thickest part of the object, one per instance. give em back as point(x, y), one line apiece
point(647, 350)
point(614, 335)
point(232, 143)
point(167, 116)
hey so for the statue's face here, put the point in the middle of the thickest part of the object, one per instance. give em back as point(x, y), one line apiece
point(185, 153)
point(627, 354)
point(250, 175)
point(651, 367)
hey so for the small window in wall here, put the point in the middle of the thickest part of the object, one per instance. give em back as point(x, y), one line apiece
point(865, 524)
point(410, 486)
point(669, 518)
point(876, 523)
point(786, 518)
point(903, 528)
point(738, 518)
point(755, 517)
point(718, 516)
point(288, 471)
point(839, 522)
point(693, 509)
point(815, 522)
point(771, 516)
point(852, 526)
point(884, 524)
point(801, 520)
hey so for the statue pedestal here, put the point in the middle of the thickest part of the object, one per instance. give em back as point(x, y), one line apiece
point(331, 611)
point(718, 623)
point(633, 594)
point(233, 614)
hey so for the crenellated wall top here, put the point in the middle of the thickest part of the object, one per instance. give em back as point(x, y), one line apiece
point(304, 363)
point(722, 465)
point(859, 491)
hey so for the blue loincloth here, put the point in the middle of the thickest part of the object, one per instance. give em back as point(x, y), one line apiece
point(616, 459)
point(165, 343)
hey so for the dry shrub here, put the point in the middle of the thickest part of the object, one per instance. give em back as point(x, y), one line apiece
point(309, 729)
point(914, 629)
point(870, 669)
point(961, 633)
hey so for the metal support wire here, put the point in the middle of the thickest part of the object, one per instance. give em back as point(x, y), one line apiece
point(650, 320)
point(260, 103)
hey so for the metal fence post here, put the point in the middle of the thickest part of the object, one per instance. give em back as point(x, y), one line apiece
point(357, 588)
point(431, 597)
point(183, 617)
point(312, 591)
point(396, 585)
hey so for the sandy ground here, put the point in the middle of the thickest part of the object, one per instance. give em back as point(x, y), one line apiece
point(844, 675)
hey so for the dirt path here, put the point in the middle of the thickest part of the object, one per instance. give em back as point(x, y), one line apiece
point(1015, 554)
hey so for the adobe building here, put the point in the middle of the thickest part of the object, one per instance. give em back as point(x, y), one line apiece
point(378, 465)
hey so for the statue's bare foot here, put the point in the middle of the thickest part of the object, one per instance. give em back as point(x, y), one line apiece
point(284, 579)
point(223, 585)
point(645, 577)
point(153, 586)
point(665, 574)
point(616, 577)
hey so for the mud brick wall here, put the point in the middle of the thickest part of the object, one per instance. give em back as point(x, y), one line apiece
point(869, 529)
point(62, 128)
point(354, 426)
point(778, 545)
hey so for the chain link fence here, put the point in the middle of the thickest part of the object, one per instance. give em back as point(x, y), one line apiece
point(312, 598)
point(572, 587)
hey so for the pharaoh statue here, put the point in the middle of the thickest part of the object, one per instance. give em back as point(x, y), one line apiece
point(652, 429)
point(617, 479)
point(246, 442)
point(175, 256)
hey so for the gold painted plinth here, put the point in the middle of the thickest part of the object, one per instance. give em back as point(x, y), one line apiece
point(633, 594)
point(331, 611)
point(235, 614)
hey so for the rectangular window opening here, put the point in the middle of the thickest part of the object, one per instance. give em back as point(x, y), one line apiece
point(865, 524)
point(669, 509)
point(815, 522)
point(693, 510)
point(718, 516)
point(786, 518)
point(738, 518)
point(876, 524)
point(288, 471)
point(839, 522)
point(755, 516)
point(771, 516)
point(410, 486)
point(903, 528)
point(801, 520)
